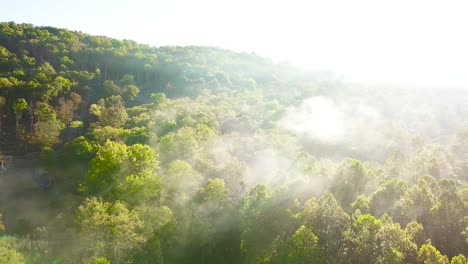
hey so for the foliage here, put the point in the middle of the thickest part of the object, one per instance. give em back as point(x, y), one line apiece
point(118, 152)
point(10, 256)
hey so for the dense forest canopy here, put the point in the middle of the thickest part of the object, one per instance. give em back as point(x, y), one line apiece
point(117, 152)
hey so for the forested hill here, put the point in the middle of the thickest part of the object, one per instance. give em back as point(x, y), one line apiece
point(61, 70)
point(86, 60)
point(117, 152)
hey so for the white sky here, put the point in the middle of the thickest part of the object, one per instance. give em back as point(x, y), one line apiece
point(402, 42)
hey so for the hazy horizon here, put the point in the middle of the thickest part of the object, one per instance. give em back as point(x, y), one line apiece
point(399, 43)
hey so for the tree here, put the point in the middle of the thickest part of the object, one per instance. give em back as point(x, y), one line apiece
point(459, 259)
point(18, 108)
point(416, 231)
point(415, 204)
point(109, 229)
point(104, 167)
point(384, 199)
point(111, 88)
point(215, 191)
point(428, 254)
point(255, 232)
point(67, 107)
point(305, 247)
point(181, 181)
point(159, 225)
point(130, 93)
point(80, 149)
point(329, 221)
point(110, 112)
point(350, 180)
point(10, 256)
point(101, 135)
point(158, 100)
point(46, 131)
point(121, 172)
point(362, 204)
point(182, 144)
point(445, 222)
point(58, 85)
point(395, 244)
point(362, 239)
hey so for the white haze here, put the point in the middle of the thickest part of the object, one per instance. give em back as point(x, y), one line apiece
point(317, 118)
point(372, 127)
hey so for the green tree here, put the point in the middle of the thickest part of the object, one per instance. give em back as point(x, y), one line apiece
point(305, 247)
point(459, 259)
point(445, 223)
point(46, 131)
point(362, 204)
point(57, 86)
point(109, 229)
point(123, 172)
point(256, 232)
point(416, 231)
point(160, 223)
point(384, 199)
point(215, 191)
point(329, 221)
point(415, 204)
point(10, 256)
point(428, 254)
point(394, 243)
point(130, 93)
point(181, 181)
point(182, 144)
point(362, 239)
point(110, 88)
point(18, 108)
point(350, 181)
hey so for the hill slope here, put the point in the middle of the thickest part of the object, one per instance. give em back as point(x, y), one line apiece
point(119, 152)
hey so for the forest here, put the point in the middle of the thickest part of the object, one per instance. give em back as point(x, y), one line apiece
point(117, 152)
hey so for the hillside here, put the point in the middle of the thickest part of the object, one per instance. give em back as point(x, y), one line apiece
point(117, 152)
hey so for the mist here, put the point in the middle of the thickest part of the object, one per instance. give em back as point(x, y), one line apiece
point(116, 152)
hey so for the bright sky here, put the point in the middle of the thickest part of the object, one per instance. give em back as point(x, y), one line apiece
point(420, 42)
